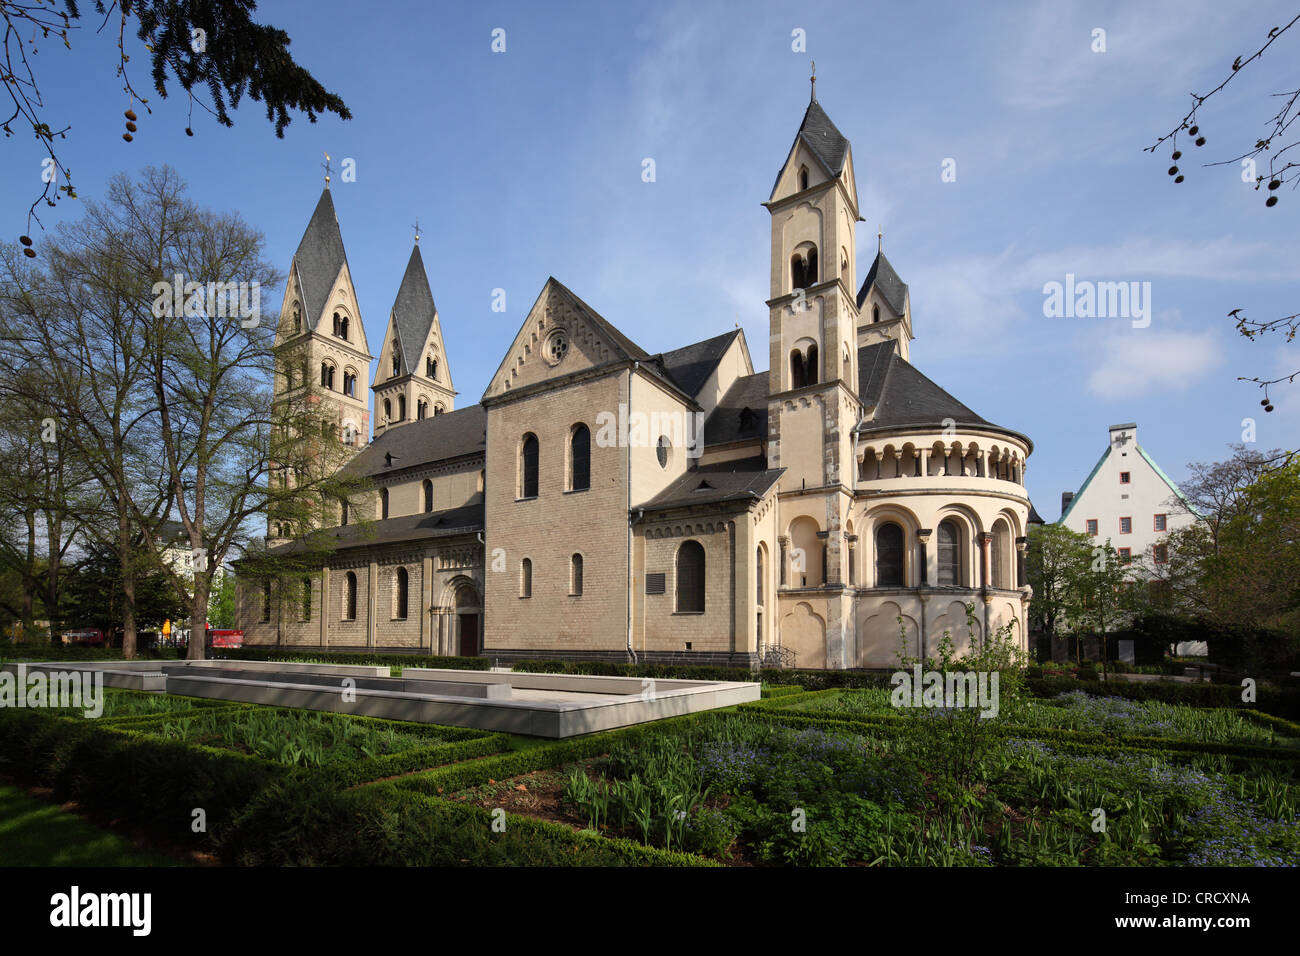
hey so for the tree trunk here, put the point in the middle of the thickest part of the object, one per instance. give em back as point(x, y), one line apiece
point(199, 615)
point(128, 588)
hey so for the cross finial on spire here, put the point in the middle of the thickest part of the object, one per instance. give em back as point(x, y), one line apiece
point(814, 81)
point(417, 230)
point(326, 166)
point(880, 238)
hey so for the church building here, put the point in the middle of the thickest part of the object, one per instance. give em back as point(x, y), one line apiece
point(603, 502)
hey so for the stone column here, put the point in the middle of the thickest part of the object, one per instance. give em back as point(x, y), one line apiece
point(426, 602)
point(923, 536)
point(1022, 545)
point(984, 538)
point(898, 464)
point(325, 606)
point(372, 604)
point(925, 461)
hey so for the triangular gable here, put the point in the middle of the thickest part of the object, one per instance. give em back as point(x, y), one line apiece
point(1087, 481)
point(1168, 482)
point(560, 322)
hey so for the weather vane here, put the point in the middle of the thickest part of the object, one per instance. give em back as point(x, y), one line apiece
point(417, 229)
point(326, 165)
point(814, 79)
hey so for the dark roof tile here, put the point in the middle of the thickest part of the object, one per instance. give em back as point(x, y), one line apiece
point(319, 258)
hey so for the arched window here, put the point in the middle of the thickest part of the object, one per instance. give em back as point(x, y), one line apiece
point(579, 458)
point(336, 323)
point(350, 597)
point(388, 410)
point(690, 577)
point(397, 364)
point(663, 450)
point(798, 377)
point(399, 609)
point(326, 375)
point(266, 601)
point(526, 578)
point(528, 467)
point(343, 512)
point(401, 408)
point(803, 178)
point(438, 410)
point(810, 367)
point(350, 383)
point(383, 502)
point(421, 409)
point(431, 367)
point(758, 564)
point(297, 318)
point(999, 557)
point(428, 495)
point(889, 556)
point(306, 599)
point(575, 575)
point(875, 313)
point(803, 267)
point(949, 554)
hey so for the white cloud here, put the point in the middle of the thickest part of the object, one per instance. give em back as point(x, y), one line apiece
point(1143, 361)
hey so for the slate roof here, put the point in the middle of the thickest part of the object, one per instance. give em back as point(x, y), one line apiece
point(319, 258)
point(413, 311)
point(418, 527)
point(727, 423)
point(1034, 516)
point(745, 480)
point(438, 438)
point(691, 365)
point(892, 288)
point(827, 143)
point(903, 396)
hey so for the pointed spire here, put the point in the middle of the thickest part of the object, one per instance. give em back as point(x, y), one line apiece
point(319, 257)
point(414, 311)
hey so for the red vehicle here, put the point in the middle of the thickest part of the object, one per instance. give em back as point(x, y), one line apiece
point(84, 637)
point(225, 638)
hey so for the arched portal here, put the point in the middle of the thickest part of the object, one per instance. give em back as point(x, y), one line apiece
point(469, 615)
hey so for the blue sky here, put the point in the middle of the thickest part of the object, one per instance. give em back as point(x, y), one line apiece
point(527, 163)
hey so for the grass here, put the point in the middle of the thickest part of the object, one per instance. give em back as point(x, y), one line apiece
point(35, 833)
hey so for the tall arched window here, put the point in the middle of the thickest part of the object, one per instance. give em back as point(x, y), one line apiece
point(579, 458)
point(343, 511)
point(758, 564)
point(889, 556)
point(403, 580)
point(528, 467)
point(297, 318)
point(336, 324)
point(803, 267)
point(949, 554)
point(343, 328)
point(388, 410)
point(421, 409)
point(438, 410)
point(875, 313)
point(803, 178)
point(326, 375)
point(350, 383)
point(383, 502)
point(798, 376)
point(575, 575)
point(526, 578)
point(431, 367)
point(999, 556)
point(266, 601)
point(428, 495)
point(811, 369)
point(690, 577)
point(401, 408)
point(350, 597)
point(306, 599)
point(397, 365)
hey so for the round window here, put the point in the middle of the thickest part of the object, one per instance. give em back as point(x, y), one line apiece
point(557, 346)
point(664, 450)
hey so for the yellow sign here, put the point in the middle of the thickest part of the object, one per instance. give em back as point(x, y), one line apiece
point(167, 627)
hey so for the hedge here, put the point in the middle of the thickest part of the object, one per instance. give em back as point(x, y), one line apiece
point(407, 761)
point(1281, 702)
point(810, 679)
point(349, 657)
point(780, 690)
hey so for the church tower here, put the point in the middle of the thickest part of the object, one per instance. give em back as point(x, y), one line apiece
point(320, 353)
point(413, 379)
point(813, 404)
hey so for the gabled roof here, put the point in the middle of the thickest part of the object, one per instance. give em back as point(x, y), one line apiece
point(413, 311)
point(1148, 459)
point(622, 344)
point(892, 288)
point(421, 442)
point(746, 480)
point(729, 422)
point(319, 258)
point(691, 365)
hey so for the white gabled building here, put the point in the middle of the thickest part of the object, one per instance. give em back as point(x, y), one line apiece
point(1128, 499)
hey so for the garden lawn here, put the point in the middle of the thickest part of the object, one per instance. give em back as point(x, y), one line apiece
point(35, 833)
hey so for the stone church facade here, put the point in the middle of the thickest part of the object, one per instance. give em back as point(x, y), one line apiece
point(603, 502)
